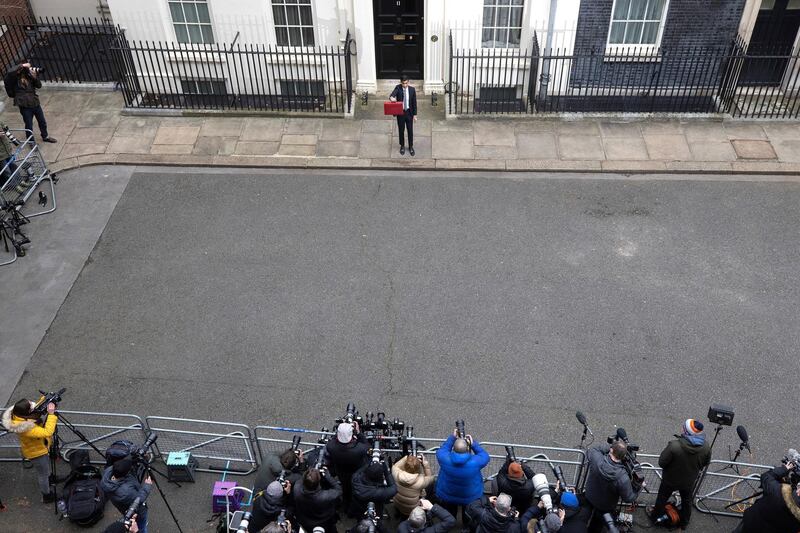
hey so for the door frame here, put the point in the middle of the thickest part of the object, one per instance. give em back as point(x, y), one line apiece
point(421, 53)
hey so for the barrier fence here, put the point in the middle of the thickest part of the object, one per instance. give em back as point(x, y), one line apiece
point(726, 489)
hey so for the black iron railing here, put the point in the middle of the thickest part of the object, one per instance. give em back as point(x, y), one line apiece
point(240, 77)
point(67, 49)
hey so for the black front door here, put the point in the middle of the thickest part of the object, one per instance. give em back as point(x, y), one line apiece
point(398, 38)
point(772, 42)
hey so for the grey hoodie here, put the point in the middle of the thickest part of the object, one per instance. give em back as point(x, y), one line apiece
point(122, 492)
point(607, 481)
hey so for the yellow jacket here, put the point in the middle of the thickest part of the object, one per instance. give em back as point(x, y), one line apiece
point(34, 439)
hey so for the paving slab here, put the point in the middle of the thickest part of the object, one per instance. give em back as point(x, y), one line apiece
point(222, 127)
point(375, 146)
point(668, 147)
point(138, 127)
point(176, 134)
point(129, 145)
point(782, 130)
point(422, 127)
point(422, 149)
point(705, 131)
point(298, 149)
point(744, 130)
point(341, 130)
point(91, 135)
point(378, 125)
point(75, 150)
point(92, 118)
point(263, 129)
point(662, 127)
point(496, 152)
point(110, 100)
point(256, 148)
point(534, 125)
point(474, 164)
point(582, 127)
point(338, 148)
point(787, 150)
point(75, 102)
point(754, 149)
point(301, 126)
point(453, 124)
point(215, 145)
point(452, 144)
point(175, 149)
point(627, 130)
point(580, 147)
point(712, 151)
point(536, 145)
point(625, 148)
point(491, 133)
point(298, 139)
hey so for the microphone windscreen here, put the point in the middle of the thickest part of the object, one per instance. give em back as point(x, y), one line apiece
point(621, 433)
point(581, 418)
point(742, 433)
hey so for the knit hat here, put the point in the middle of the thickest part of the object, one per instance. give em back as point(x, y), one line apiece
point(692, 427)
point(569, 501)
point(552, 521)
point(344, 433)
point(122, 467)
point(275, 489)
point(375, 472)
point(515, 470)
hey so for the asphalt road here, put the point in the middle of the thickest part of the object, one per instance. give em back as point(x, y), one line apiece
point(506, 300)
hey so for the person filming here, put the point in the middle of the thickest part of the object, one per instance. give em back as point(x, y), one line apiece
point(607, 482)
point(34, 434)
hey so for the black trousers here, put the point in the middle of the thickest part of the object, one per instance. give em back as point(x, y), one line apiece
point(406, 120)
point(27, 117)
point(664, 492)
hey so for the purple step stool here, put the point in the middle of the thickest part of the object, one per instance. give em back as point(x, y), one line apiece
point(218, 496)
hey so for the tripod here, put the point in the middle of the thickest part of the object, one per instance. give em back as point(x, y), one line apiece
point(149, 470)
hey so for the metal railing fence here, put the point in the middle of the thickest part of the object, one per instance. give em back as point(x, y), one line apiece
point(68, 49)
point(246, 77)
point(729, 488)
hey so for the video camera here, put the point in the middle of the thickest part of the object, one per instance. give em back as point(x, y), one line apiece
point(376, 427)
point(631, 464)
point(320, 462)
point(351, 416)
point(40, 407)
point(139, 456)
point(127, 519)
point(793, 456)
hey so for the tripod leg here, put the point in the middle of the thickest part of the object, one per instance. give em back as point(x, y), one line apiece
point(164, 498)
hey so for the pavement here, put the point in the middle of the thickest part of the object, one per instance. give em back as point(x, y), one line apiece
point(93, 128)
point(508, 299)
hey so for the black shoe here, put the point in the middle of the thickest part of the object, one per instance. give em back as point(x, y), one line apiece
point(49, 498)
point(402, 150)
point(49, 140)
point(411, 151)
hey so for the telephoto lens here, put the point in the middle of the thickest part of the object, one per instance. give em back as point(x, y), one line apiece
point(541, 488)
point(245, 523)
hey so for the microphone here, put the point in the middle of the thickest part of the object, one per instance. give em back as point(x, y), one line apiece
point(582, 419)
point(622, 434)
point(744, 437)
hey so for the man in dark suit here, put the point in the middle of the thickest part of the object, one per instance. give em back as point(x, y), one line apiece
point(408, 95)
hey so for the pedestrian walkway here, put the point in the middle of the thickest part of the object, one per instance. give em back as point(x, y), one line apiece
point(93, 128)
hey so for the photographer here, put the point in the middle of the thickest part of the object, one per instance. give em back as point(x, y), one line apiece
point(268, 504)
point(460, 481)
point(607, 481)
point(34, 439)
point(25, 80)
point(291, 462)
point(275, 527)
point(121, 488)
point(372, 483)
point(514, 478)
point(315, 500)
point(570, 517)
point(681, 461)
point(412, 475)
point(778, 509)
point(494, 515)
point(119, 527)
point(347, 453)
point(421, 519)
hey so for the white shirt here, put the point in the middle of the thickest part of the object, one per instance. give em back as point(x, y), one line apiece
point(405, 98)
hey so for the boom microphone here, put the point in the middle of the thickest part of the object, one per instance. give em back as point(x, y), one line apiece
point(744, 437)
point(622, 434)
point(582, 419)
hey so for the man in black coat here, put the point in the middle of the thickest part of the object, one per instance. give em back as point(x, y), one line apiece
point(347, 452)
point(289, 463)
point(372, 483)
point(25, 80)
point(419, 520)
point(514, 478)
point(570, 515)
point(778, 510)
point(494, 515)
point(408, 95)
point(607, 481)
point(315, 500)
point(681, 462)
point(268, 504)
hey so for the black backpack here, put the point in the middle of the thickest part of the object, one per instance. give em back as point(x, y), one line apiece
point(10, 82)
point(119, 450)
point(84, 500)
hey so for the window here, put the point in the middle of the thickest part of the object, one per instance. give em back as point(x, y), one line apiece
point(502, 23)
point(302, 88)
point(203, 87)
point(293, 23)
point(637, 22)
point(191, 21)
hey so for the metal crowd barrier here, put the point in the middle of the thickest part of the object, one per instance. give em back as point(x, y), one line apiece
point(275, 439)
point(101, 429)
point(22, 174)
point(652, 478)
point(540, 458)
point(728, 488)
point(218, 446)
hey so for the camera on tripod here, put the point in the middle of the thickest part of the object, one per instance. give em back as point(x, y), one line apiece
point(631, 464)
point(351, 416)
point(40, 407)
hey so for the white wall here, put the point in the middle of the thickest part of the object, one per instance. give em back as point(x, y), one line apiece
point(66, 8)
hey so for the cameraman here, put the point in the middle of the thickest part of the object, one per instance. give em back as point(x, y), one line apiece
point(607, 481)
point(413, 475)
point(778, 509)
point(346, 454)
point(681, 462)
point(460, 481)
point(315, 500)
point(25, 81)
point(372, 483)
point(418, 520)
point(268, 504)
point(289, 461)
point(34, 443)
point(494, 515)
point(514, 478)
point(121, 487)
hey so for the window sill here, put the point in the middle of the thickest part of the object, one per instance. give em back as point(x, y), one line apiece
point(639, 53)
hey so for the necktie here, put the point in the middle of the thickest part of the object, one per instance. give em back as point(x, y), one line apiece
point(405, 99)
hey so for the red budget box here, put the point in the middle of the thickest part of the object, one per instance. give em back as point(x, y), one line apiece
point(393, 108)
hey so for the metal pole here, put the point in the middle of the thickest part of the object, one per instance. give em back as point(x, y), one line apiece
point(545, 76)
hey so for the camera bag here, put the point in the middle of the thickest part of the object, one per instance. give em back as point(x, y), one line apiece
point(84, 500)
point(10, 82)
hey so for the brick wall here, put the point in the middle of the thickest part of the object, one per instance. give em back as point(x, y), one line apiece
point(14, 9)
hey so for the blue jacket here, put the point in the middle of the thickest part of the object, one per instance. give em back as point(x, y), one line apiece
point(460, 480)
point(122, 492)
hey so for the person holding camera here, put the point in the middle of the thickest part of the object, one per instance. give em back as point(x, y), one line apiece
point(348, 452)
point(122, 488)
point(514, 479)
point(291, 463)
point(119, 527)
point(421, 519)
point(25, 80)
point(372, 483)
point(34, 436)
point(275, 527)
point(778, 509)
point(681, 462)
point(413, 475)
point(569, 516)
point(315, 500)
point(494, 514)
point(268, 504)
point(460, 463)
point(607, 481)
